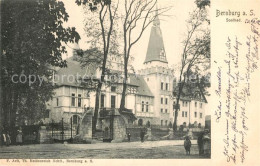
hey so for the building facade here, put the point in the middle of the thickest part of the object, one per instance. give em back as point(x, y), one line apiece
point(149, 92)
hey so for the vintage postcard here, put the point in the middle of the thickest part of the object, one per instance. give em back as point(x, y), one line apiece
point(129, 82)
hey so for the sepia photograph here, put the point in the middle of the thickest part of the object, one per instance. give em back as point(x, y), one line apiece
point(105, 79)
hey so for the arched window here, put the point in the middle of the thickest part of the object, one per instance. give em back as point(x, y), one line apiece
point(140, 122)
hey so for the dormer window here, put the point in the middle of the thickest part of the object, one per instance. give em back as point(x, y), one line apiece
point(162, 54)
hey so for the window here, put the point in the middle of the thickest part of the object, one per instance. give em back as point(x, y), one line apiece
point(57, 99)
point(161, 122)
point(147, 107)
point(166, 86)
point(166, 110)
point(75, 119)
point(166, 122)
point(195, 114)
point(183, 103)
point(113, 101)
point(195, 104)
point(166, 101)
point(102, 101)
point(161, 110)
point(182, 113)
point(79, 100)
point(200, 105)
point(186, 114)
point(73, 99)
point(186, 104)
point(161, 100)
point(200, 115)
point(142, 106)
point(113, 89)
point(161, 85)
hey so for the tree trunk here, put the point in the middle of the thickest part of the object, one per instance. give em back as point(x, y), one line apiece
point(94, 121)
point(176, 109)
point(122, 104)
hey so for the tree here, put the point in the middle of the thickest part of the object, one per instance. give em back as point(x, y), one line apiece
point(137, 14)
point(32, 37)
point(106, 18)
point(196, 51)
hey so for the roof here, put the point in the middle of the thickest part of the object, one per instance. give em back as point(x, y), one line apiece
point(73, 71)
point(156, 50)
point(191, 92)
point(143, 89)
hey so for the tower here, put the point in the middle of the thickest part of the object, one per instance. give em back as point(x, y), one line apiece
point(156, 55)
point(158, 76)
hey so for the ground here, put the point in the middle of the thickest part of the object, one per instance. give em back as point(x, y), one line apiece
point(133, 150)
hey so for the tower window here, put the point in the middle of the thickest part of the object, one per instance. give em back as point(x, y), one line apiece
point(166, 101)
point(161, 85)
point(182, 113)
point(142, 106)
point(186, 114)
point(147, 107)
point(161, 100)
point(166, 86)
point(195, 114)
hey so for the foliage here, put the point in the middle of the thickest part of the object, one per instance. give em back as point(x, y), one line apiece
point(32, 40)
point(195, 57)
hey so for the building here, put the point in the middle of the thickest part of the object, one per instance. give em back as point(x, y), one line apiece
point(149, 92)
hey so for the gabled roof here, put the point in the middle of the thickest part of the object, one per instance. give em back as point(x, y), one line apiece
point(143, 88)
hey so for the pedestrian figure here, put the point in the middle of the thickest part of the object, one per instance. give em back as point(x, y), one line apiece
point(8, 139)
point(142, 135)
point(4, 138)
point(206, 143)
point(128, 136)
point(187, 145)
point(19, 137)
point(200, 143)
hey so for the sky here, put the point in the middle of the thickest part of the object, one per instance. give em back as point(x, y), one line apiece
point(173, 30)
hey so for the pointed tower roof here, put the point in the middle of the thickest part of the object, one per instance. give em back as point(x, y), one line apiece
point(155, 50)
